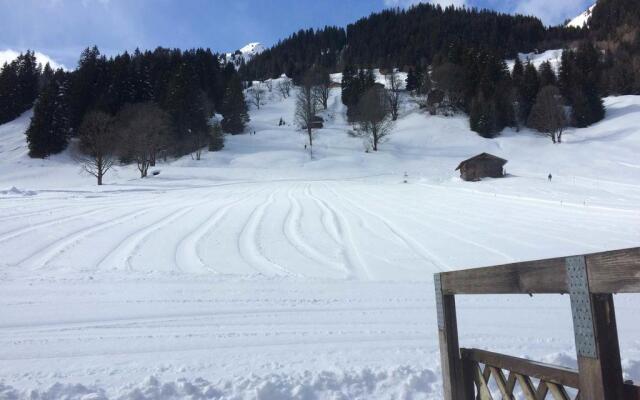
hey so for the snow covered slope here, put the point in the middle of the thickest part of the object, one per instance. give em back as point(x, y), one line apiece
point(263, 272)
point(582, 19)
point(245, 54)
point(554, 57)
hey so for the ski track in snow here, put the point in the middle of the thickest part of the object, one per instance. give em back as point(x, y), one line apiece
point(187, 256)
point(408, 241)
point(350, 250)
point(292, 225)
point(250, 245)
point(43, 257)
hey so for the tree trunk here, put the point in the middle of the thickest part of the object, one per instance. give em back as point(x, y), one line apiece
point(99, 178)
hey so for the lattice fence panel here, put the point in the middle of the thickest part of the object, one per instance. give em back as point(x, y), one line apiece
point(512, 386)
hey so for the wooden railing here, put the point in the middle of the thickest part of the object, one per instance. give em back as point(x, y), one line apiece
point(591, 280)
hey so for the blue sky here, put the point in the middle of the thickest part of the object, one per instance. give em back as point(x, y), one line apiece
point(62, 28)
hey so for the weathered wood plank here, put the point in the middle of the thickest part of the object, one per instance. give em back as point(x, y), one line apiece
point(548, 373)
point(527, 277)
point(483, 388)
point(615, 271)
point(527, 388)
point(468, 381)
point(501, 381)
point(631, 392)
point(452, 375)
point(601, 377)
point(558, 392)
point(541, 392)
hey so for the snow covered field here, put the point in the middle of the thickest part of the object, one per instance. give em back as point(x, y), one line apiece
point(260, 272)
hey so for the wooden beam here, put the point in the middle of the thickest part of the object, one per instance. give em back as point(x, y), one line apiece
point(631, 392)
point(526, 277)
point(549, 373)
point(452, 375)
point(615, 271)
point(601, 377)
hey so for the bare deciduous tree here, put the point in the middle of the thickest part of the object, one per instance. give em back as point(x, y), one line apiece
point(97, 144)
point(200, 139)
point(306, 107)
point(269, 85)
point(256, 95)
point(321, 86)
point(374, 122)
point(144, 128)
point(447, 77)
point(284, 87)
point(393, 94)
point(548, 114)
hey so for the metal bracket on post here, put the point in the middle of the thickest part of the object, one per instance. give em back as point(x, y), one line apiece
point(578, 284)
point(439, 301)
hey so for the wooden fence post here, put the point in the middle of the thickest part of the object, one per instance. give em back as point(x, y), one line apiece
point(596, 336)
point(452, 375)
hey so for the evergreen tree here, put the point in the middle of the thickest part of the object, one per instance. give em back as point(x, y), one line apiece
point(411, 81)
point(234, 108)
point(547, 75)
point(19, 86)
point(28, 73)
point(349, 85)
point(482, 118)
point(188, 107)
point(46, 77)
point(580, 74)
point(8, 92)
point(529, 91)
point(87, 85)
point(49, 130)
point(517, 75)
point(424, 81)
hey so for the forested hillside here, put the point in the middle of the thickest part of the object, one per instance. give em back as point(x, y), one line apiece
point(615, 29)
point(454, 57)
point(403, 38)
point(184, 88)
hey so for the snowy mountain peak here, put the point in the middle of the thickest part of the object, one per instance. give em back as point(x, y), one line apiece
point(252, 49)
point(582, 19)
point(245, 53)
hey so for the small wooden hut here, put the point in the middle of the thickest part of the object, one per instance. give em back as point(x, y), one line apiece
point(483, 165)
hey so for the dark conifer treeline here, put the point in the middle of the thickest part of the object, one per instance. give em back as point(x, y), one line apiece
point(479, 83)
point(19, 85)
point(189, 85)
point(415, 36)
point(615, 30)
point(407, 38)
point(458, 54)
point(295, 55)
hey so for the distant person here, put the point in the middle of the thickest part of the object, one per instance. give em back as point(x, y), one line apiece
point(550, 177)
